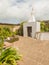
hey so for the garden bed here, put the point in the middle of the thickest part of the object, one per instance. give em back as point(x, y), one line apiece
point(12, 39)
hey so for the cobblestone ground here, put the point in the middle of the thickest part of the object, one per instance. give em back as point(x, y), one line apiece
point(35, 52)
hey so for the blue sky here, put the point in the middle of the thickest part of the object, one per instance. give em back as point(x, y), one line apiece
point(14, 11)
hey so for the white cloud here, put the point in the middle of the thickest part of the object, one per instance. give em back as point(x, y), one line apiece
point(42, 9)
point(21, 9)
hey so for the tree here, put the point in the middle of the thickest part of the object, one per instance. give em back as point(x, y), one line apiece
point(20, 31)
point(44, 26)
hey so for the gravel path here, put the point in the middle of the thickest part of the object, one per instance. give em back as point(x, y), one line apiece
point(35, 52)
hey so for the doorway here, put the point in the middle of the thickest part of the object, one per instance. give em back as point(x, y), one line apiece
point(29, 31)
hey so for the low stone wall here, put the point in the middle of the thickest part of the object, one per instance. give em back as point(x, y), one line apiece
point(42, 35)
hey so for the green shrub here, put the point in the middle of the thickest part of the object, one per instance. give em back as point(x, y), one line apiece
point(1, 44)
point(16, 32)
point(5, 32)
point(44, 26)
point(9, 56)
point(20, 31)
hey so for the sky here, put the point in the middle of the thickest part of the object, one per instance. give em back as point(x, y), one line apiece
point(14, 11)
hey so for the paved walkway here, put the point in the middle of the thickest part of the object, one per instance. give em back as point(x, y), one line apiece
point(35, 52)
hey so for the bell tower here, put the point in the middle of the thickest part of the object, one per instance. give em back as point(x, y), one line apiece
point(32, 17)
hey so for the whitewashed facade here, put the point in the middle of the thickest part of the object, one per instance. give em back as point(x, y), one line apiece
point(34, 26)
point(32, 29)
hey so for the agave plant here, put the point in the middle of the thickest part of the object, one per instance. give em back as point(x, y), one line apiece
point(9, 56)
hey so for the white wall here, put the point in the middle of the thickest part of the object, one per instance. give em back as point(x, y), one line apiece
point(42, 35)
point(35, 28)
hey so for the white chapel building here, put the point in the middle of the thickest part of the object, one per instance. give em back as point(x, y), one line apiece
point(31, 27)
